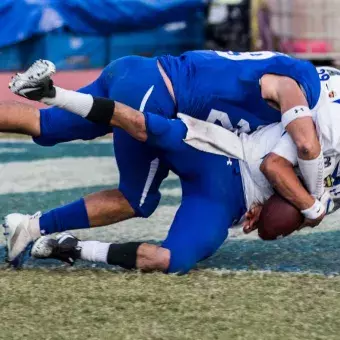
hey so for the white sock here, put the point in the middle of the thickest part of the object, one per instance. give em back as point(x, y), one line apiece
point(94, 251)
point(76, 102)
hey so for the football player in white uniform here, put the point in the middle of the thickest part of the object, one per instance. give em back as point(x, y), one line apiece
point(279, 165)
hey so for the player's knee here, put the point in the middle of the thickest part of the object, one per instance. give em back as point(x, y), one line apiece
point(146, 209)
point(145, 212)
point(181, 265)
point(185, 257)
point(271, 164)
point(183, 260)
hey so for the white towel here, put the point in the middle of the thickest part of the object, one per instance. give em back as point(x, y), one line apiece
point(212, 138)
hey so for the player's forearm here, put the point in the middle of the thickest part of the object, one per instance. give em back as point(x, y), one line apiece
point(293, 104)
point(297, 120)
point(310, 156)
point(131, 120)
point(296, 115)
point(101, 111)
point(282, 177)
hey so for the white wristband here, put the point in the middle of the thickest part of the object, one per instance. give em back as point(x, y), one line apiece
point(295, 113)
point(315, 211)
point(76, 102)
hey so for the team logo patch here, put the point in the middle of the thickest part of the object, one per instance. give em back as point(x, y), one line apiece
point(329, 180)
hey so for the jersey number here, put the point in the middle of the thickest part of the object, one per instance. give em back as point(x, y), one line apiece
point(223, 118)
point(323, 75)
point(248, 55)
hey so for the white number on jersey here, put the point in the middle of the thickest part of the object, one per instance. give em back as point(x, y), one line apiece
point(223, 118)
point(323, 74)
point(248, 55)
point(330, 82)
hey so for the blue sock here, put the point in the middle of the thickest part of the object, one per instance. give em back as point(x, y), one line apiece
point(67, 217)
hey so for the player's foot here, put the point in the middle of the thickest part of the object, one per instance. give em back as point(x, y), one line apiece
point(64, 248)
point(20, 231)
point(35, 83)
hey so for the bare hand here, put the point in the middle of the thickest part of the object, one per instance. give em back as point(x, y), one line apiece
point(252, 216)
point(312, 223)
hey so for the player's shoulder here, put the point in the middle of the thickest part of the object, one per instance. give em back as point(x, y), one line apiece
point(330, 82)
point(305, 74)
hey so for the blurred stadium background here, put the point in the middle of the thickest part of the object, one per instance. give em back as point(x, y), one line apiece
point(226, 299)
point(86, 34)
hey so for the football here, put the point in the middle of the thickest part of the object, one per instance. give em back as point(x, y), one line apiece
point(278, 218)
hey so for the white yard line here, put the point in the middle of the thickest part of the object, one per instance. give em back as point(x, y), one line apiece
point(12, 150)
point(57, 174)
point(60, 174)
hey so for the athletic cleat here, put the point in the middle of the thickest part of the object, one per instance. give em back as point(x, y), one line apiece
point(35, 83)
point(20, 232)
point(64, 248)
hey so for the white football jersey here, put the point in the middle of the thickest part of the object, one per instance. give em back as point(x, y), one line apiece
point(255, 147)
point(273, 138)
point(327, 118)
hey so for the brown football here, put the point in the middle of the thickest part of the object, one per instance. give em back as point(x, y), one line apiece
point(278, 218)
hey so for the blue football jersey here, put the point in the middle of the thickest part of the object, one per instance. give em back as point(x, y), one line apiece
point(224, 87)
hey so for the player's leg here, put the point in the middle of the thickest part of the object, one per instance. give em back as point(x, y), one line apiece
point(100, 110)
point(141, 171)
point(50, 127)
point(212, 201)
point(19, 118)
point(199, 228)
point(25, 119)
point(141, 175)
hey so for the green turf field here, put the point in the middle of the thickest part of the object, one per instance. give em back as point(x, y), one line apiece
point(287, 289)
point(87, 304)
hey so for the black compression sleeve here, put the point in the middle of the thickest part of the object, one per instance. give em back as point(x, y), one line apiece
point(102, 111)
point(123, 255)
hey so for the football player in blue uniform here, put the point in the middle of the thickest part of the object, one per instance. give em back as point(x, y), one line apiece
point(217, 190)
point(239, 91)
point(212, 200)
